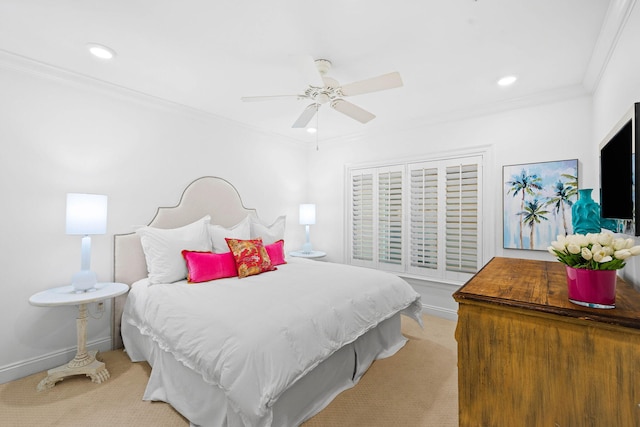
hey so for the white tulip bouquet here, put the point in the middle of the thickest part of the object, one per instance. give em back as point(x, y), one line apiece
point(593, 251)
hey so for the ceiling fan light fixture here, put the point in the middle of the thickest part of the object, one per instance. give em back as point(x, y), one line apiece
point(507, 81)
point(101, 51)
point(323, 98)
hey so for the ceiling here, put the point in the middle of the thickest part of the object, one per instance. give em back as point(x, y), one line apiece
point(206, 54)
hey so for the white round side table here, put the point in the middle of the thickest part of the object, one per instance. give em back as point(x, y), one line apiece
point(311, 254)
point(85, 362)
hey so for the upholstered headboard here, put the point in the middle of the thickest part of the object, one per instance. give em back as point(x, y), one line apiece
point(205, 196)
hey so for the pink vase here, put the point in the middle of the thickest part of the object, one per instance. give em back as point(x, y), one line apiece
point(592, 288)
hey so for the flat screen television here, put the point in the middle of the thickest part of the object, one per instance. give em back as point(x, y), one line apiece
point(618, 161)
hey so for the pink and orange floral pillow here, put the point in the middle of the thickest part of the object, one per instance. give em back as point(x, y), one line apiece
point(251, 257)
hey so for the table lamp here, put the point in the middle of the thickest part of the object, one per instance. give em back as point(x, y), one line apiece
point(86, 214)
point(307, 217)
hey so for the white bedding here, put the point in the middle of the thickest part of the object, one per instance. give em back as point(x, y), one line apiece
point(270, 329)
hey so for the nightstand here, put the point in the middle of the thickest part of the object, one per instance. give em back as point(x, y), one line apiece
point(312, 254)
point(84, 362)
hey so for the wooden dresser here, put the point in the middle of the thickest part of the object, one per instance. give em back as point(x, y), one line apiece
point(528, 357)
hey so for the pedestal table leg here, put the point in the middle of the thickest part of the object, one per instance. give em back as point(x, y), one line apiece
point(83, 363)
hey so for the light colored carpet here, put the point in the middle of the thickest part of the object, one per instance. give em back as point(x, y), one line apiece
point(415, 387)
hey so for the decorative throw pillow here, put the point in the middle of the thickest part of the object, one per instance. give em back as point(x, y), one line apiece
point(163, 249)
point(276, 252)
point(251, 257)
point(205, 266)
point(218, 233)
point(269, 233)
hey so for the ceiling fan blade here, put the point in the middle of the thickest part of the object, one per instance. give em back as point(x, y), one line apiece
point(352, 110)
point(309, 70)
point(306, 116)
point(374, 84)
point(271, 98)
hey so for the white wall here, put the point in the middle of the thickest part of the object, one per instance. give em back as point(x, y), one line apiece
point(554, 131)
point(618, 90)
point(61, 135)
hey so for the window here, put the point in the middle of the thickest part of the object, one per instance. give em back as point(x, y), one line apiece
point(417, 218)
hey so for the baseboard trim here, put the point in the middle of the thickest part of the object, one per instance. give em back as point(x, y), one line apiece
point(42, 363)
point(445, 313)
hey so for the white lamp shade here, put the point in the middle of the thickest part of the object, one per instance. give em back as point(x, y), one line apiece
point(307, 214)
point(86, 214)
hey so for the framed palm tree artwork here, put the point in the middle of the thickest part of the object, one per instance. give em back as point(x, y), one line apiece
point(537, 203)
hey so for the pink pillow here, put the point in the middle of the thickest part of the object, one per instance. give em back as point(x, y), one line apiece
point(276, 252)
point(205, 266)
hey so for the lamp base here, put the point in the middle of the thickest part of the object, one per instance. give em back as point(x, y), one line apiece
point(84, 280)
point(307, 248)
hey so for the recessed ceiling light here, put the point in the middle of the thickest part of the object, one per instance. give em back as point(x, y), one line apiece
point(101, 51)
point(507, 80)
point(312, 130)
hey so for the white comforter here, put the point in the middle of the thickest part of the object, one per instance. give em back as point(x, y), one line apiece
point(254, 337)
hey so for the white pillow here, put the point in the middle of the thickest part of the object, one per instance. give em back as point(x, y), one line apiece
point(241, 230)
point(163, 249)
point(269, 233)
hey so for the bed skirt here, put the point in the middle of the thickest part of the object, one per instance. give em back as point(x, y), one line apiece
point(206, 405)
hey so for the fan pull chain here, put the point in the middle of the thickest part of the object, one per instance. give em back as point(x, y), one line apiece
point(317, 128)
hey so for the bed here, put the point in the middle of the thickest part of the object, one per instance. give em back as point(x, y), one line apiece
point(265, 348)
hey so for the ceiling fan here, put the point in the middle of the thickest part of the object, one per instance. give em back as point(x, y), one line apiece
point(326, 90)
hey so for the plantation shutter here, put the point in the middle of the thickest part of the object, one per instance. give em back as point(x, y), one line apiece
point(462, 218)
point(423, 222)
point(419, 218)
point(362, 216)
point(390, 217)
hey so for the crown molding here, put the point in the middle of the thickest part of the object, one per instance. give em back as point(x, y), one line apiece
point(614, 22)
point(12, 61)
point(25, 65)
point(540, 98)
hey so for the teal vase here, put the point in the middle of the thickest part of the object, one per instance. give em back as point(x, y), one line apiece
point(585, 213)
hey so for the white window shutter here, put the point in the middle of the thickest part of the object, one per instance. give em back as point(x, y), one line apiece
point(423, 218)
point(362, 217)
point(462, 243)
point(390, 218)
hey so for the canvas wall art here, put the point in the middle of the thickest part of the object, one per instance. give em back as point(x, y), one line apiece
point(537, 203)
